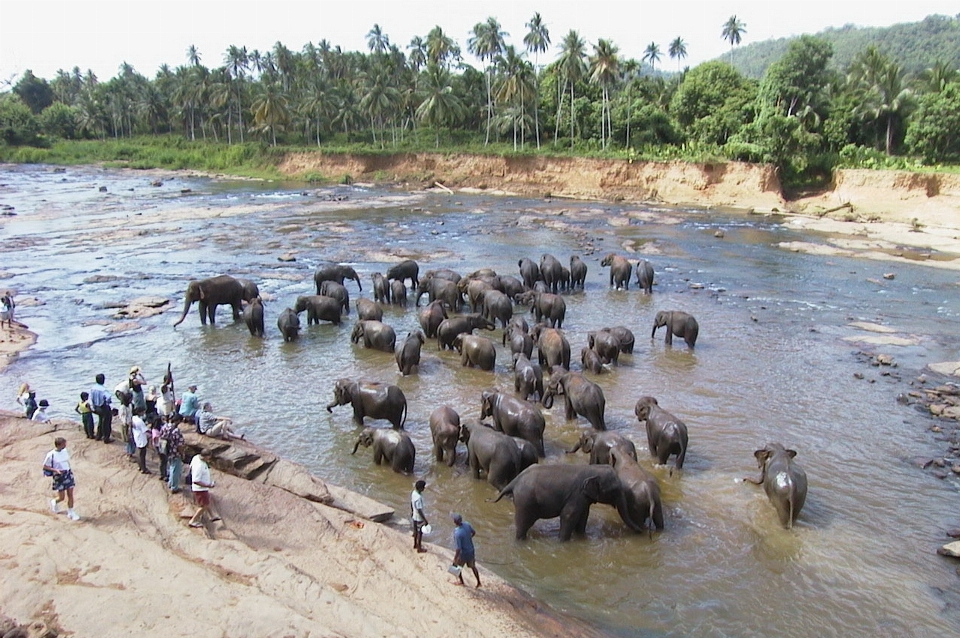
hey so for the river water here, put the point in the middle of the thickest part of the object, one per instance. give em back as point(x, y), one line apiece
point(771, 365)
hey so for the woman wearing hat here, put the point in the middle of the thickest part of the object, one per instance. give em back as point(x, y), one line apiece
point(137, 382)
point(41, 415)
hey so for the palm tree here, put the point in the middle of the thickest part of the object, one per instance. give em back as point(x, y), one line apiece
point(418, 54)
point(604, 70)
point(378, 99)
point(441, 47)
point(629, 70)
point(487, 43)
point(236, 63)
point(571, 67)
point(937, 77)
point(440, 105)
point(193, 56)
point(377, 41)
point(678, 50)
point(733, 32)
point(885, 96)
point(270, 110)
point(516, 87)
point(651, 55)
point(537, 41)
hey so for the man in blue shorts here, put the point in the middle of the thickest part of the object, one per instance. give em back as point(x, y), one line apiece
point(463, 540)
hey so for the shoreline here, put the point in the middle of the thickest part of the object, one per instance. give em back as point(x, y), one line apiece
point(306, 567)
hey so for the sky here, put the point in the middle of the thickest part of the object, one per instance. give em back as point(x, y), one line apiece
point(47, 35)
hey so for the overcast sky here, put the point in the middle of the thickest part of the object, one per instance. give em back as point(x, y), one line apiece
point(46, 35)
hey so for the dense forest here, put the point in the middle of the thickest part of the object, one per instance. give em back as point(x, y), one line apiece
point(808, 112)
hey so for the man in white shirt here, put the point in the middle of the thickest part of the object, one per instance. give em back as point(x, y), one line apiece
point(57, 465)
point(41, 413)
point(417, 515)
point(202, 482)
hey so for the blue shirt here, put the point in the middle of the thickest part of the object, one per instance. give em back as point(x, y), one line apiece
point(463, 539)
point(99, 397)
point(189, 404)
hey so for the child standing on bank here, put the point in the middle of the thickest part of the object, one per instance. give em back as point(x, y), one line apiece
point(57, 465)
point(85, 409)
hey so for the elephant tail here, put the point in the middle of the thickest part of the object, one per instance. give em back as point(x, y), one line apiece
point(506, 491)
point(403, 417)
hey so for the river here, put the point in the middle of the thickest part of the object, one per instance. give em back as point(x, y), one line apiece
point(771, 365)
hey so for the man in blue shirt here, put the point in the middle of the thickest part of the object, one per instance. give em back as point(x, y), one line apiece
point(100, 401)
point(463, 540)
point(190, 405)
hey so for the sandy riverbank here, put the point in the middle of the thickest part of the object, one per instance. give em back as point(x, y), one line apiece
point(277, 565)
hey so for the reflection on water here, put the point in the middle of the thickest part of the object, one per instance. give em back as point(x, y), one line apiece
point(770, 365)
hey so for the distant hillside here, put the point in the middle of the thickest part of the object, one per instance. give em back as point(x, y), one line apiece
point(915, 45)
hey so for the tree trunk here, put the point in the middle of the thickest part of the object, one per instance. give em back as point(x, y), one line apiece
point(890, 134)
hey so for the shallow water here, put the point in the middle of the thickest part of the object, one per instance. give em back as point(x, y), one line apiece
point(770, 365)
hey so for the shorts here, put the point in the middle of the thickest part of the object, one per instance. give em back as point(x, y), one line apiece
point(4, 315)
point(63, 481)
point(202, 498)
point(468, 560)
point(416, 526)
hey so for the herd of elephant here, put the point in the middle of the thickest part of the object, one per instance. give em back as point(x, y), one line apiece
point(507, 452)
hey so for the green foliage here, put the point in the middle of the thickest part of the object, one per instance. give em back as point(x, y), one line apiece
point(60, 120)
point(934, 129)
point(18, 125)
point(34, 92)
point(713, 102)
point(796, 83)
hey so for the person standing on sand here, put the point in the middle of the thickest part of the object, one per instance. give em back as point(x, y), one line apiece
point(417, 515)
point(202, 482)
point(85, 410)
point(463, 540)
point(138, 434)
point(22, 395)
point(100, 400)
point(30, 405)
point(57, 465)
point(170, 432)
point(41, 415)
point(6, 310)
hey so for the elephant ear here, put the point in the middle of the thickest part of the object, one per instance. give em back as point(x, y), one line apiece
point(762, 456)
point(591, 488)
point(791, 453)
point(202, 293)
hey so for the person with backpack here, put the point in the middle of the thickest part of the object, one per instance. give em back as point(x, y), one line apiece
point(57, 465)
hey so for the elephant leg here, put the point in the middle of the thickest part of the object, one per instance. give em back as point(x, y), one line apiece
point(581, 527)
point(357, 415)
point(669, 338)
point(474, 465)
point(523, 520)
point(571, 517)
point(658, 516)
point(237, 311)
point(377, 455)
point(202, 307)
point(571, 413)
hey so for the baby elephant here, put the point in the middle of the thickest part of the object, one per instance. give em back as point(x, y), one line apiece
point(666, 434)
point(390, 446)
point(784, 481)
point(678, 324)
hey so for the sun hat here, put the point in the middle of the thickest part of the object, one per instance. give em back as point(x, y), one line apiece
point(44, 403)
point(134, 369)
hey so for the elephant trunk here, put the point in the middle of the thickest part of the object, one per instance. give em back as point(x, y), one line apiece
point(653, 333)
point(359, 285)
point(548, 400)
point(575, 448)
point(355, 447)
point(186, 308)
point(332, 405)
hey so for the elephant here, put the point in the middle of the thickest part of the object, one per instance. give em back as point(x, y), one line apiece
point(527, 377)
point(445, 432)
point(253, 317)
point(510, 286)
point(381, 288)
point(337, 273)
point(783, 480)
point(223, 290)
point(450, 328)
point(337, 291)
point(391, 446)
point(514, 416)
point(640, 489)
point(407, 269)
point(440, 289)
point(528, 453)
point(369, 310)
point(599, 444)
point(567, 491)
point(319, 308)
point(443, 273)
point(625, 335)
point(666, 434)
point(496, 305)
point(494, 453)
point(553, 349)
point(431, 316)
point(540, 286)
point(606, 344)
point(475, 351)
point(580, 396)
point(289, 324)
point(520, 340)
point(398, 293)
point(371, 398)
point(529, 272)
point(408, 352)
point(645, 276)
point(564, 278)
point(678, 323)
point(550, 272)
point(474, 289)
point(620, 270)
point(545, 306)
point(578, 272)
point(591, 360)
point(250, 290)
point(487, 274)
point(375, 334)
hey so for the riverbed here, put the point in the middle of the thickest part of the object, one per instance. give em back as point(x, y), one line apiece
point(777, 360)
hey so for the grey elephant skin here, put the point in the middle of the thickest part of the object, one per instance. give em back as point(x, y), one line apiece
point(606, 345)
point(319, 308)
point(336, 272)
point(389, 446)
point(581, 396)
point(783, 480)
point(381, 288)
point(551, 271)
point(546, 307)
point(518, 336)
point(494, 453)
point(448, 329)
point(625, 335)
point(567, 491)
point(288, 323)
point(514, 417)
point(222, 290)
point(553, 349)
point(679, 324)
point(620, 269)
point(374, 334)
point(253, 317)
point(590, 360)
point(496, 306)
point(369, 310)
point(578, 273)
point(475, 351)
point(430, 318)
point(408, 353)
point(439, 289)
point(666, 434)
point(445, 432)
point(598, 446)
point(371, 399)
point(407, 269)
point(527, 377)
point(529, 272)
point(640, 488)
point(645, 276)
point(339, 292)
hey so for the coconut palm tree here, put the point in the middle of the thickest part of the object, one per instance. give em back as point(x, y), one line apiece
point(733, 32)
point(487, 44)
point(236, 62)
point(270, 110)
point(629, 70)
point(537, 41)
point(571, 67)
point(379, 98)
point(377, 40)
point(885, 96)
point(651, 55)
point(936, 78)
point(441, 47)
point(440, 105)
point(678, 50)
point(193, 55)
point(516, 88)
point(604, 70)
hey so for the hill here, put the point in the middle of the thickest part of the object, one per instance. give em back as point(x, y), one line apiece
point(914, 45)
